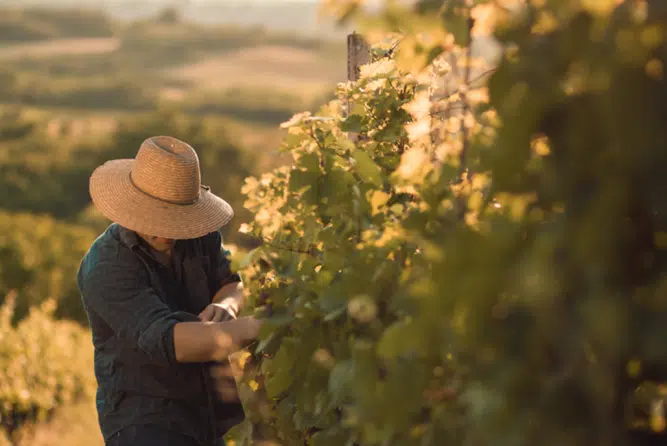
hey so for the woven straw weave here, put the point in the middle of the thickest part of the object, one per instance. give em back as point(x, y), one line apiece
point(159, 192)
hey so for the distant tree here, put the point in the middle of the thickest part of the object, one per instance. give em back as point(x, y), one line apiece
point(170, 15)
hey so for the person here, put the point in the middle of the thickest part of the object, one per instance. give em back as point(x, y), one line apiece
point(162, 302)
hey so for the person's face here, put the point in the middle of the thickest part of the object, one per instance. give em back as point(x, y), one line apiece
point(158, 243)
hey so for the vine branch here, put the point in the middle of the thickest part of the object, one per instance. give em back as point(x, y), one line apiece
point(464, 93)
point(311, 252)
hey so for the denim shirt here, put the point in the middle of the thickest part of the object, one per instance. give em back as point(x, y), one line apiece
point(133, 302)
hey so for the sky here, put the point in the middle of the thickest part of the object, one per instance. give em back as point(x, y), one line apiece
point(268, 13)
point(222, 1)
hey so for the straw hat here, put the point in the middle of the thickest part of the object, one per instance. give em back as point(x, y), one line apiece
point(159, 192)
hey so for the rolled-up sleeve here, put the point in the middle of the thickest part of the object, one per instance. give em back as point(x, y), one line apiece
point(121, 295)
point(221, 265)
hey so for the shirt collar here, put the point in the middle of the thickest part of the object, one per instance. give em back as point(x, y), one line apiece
point(132, 240)
point(127, 237)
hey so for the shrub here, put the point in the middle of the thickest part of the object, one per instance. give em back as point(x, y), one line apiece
point(44, 364)
point(471, 272)
point(252, 105)
point(39, 257)
point(44, 174)
point(74, 22)
point(15, 27)
point(180, 43)
point(40, 172)
point(48, 23)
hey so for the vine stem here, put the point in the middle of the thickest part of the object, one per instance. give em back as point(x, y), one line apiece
point(464, 92)
point(461, 203)
point(449, 94)
point(311, 252)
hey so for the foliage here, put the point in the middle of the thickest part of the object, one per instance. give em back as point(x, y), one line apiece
point(170, 15)
point(73, 83)
point(257, 104)
point(44, 364)
point(470, 272)
point(39, 172)
point(94, 92)
point(39, 257)
point(140, 66)
point(182, 42)
point(32, 24)
point(348, 333)
point(48, 175)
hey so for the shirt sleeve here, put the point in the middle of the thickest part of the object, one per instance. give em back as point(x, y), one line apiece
point(220, 264)
point(121, 295)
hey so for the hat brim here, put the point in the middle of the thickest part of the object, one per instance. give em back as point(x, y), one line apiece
point(116, 197)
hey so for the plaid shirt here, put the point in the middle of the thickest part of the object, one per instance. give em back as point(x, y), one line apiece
point(133, 302)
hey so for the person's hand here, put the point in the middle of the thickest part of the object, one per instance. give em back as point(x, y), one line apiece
point(232, 335)
point(249, 328)
point(220, 312)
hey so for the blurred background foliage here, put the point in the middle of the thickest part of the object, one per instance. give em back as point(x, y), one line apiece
point(80, 86)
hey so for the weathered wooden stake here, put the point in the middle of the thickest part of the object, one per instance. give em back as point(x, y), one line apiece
point(358, 54)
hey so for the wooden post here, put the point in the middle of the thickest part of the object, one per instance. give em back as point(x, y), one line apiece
point(358, 54)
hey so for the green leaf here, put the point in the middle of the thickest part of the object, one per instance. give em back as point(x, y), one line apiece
point(345, 144)
point(334, 261)
point(300, 180)
point(293, 140)
point(278, 320)
point(310, 162)
point(280, 377)
point(367, 168)
point(390, 161)
point(352, 123)
point(332, 299)
point(434, 53)
point(241, 434)
point(335, 314)
point(401, 338)
point(249, 258)
point(268, 345)
point(305, 183)
point(341, 380)
point(330, 437)
point(391, 133)
point(455, 21)
point(334, 189)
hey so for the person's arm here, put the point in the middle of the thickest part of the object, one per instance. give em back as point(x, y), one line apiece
point(119, 292)
point(212, 341)
point(229, 297)
point(231, 292)
point(226, 304)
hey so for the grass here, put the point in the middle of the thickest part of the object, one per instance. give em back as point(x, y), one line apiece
point(58, 75)
point(253, 136)
point(305, 72)
point(74, 425)
point(205, 69)
point(280, 67)
point(59, 47)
